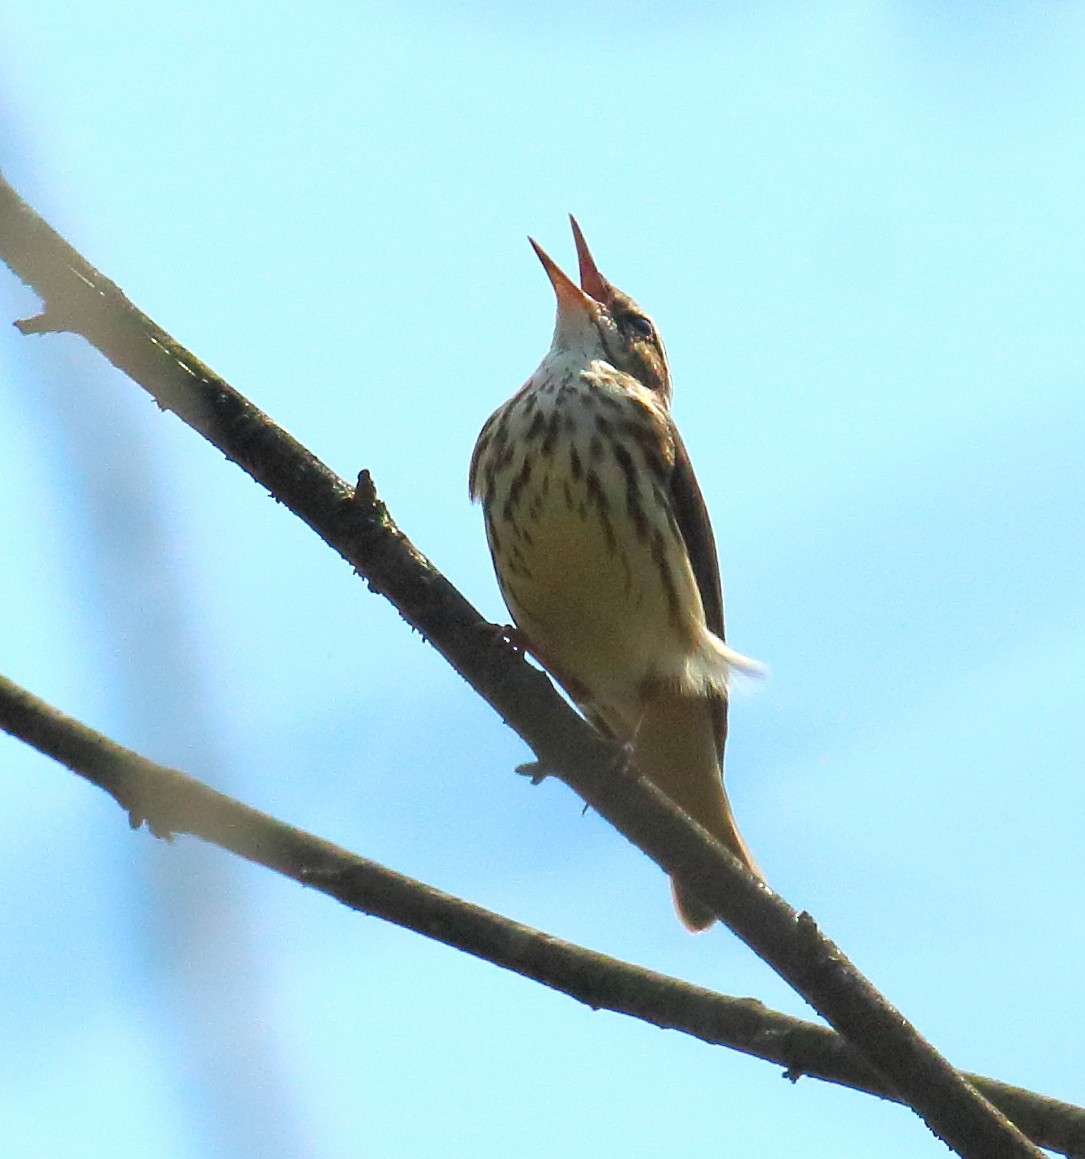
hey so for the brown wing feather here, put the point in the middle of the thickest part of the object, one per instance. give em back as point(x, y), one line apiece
point(691, 515)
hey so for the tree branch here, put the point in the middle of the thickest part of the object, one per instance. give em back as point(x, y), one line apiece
point(356, 524)
point(183, 805)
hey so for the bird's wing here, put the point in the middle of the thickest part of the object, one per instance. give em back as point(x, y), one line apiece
point(691, 515)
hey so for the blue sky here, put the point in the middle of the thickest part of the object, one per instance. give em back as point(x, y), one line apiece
point(859, 229)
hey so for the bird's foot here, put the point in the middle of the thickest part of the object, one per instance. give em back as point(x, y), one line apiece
point(622, 762)
point(508, 634)
point(621, 765)
point(515, 639)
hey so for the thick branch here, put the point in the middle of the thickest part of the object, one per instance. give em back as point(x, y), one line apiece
point(183, 805)
point(357, 525)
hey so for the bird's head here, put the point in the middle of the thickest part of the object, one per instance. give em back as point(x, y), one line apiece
point(603, 322)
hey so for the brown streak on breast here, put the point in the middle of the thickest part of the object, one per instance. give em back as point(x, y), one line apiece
point(659, 557)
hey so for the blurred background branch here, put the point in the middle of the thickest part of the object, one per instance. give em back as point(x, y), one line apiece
point(190, 936)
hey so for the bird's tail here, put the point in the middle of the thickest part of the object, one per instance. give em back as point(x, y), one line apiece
point(675, 747)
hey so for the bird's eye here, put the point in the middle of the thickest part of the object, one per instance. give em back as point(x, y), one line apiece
point(637, 326)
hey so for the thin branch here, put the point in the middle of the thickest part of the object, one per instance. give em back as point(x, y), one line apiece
point(183, 805)
point(355, 523)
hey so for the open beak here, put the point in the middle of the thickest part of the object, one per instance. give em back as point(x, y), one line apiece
point(572, 300)
point(591, 280)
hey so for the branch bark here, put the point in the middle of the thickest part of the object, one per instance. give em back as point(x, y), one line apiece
point(353, 521)
point(183, 805)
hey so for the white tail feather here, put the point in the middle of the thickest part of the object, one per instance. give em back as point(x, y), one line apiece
point(710, 667)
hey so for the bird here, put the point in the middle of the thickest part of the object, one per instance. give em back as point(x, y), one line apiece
point(604, 551)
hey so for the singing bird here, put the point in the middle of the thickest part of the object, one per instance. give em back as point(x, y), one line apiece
point(604, 552)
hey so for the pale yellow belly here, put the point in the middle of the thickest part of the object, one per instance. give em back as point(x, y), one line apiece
point(594, 605)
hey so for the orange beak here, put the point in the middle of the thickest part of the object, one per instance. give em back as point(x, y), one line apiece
point(572, 300)
point(591, 279)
